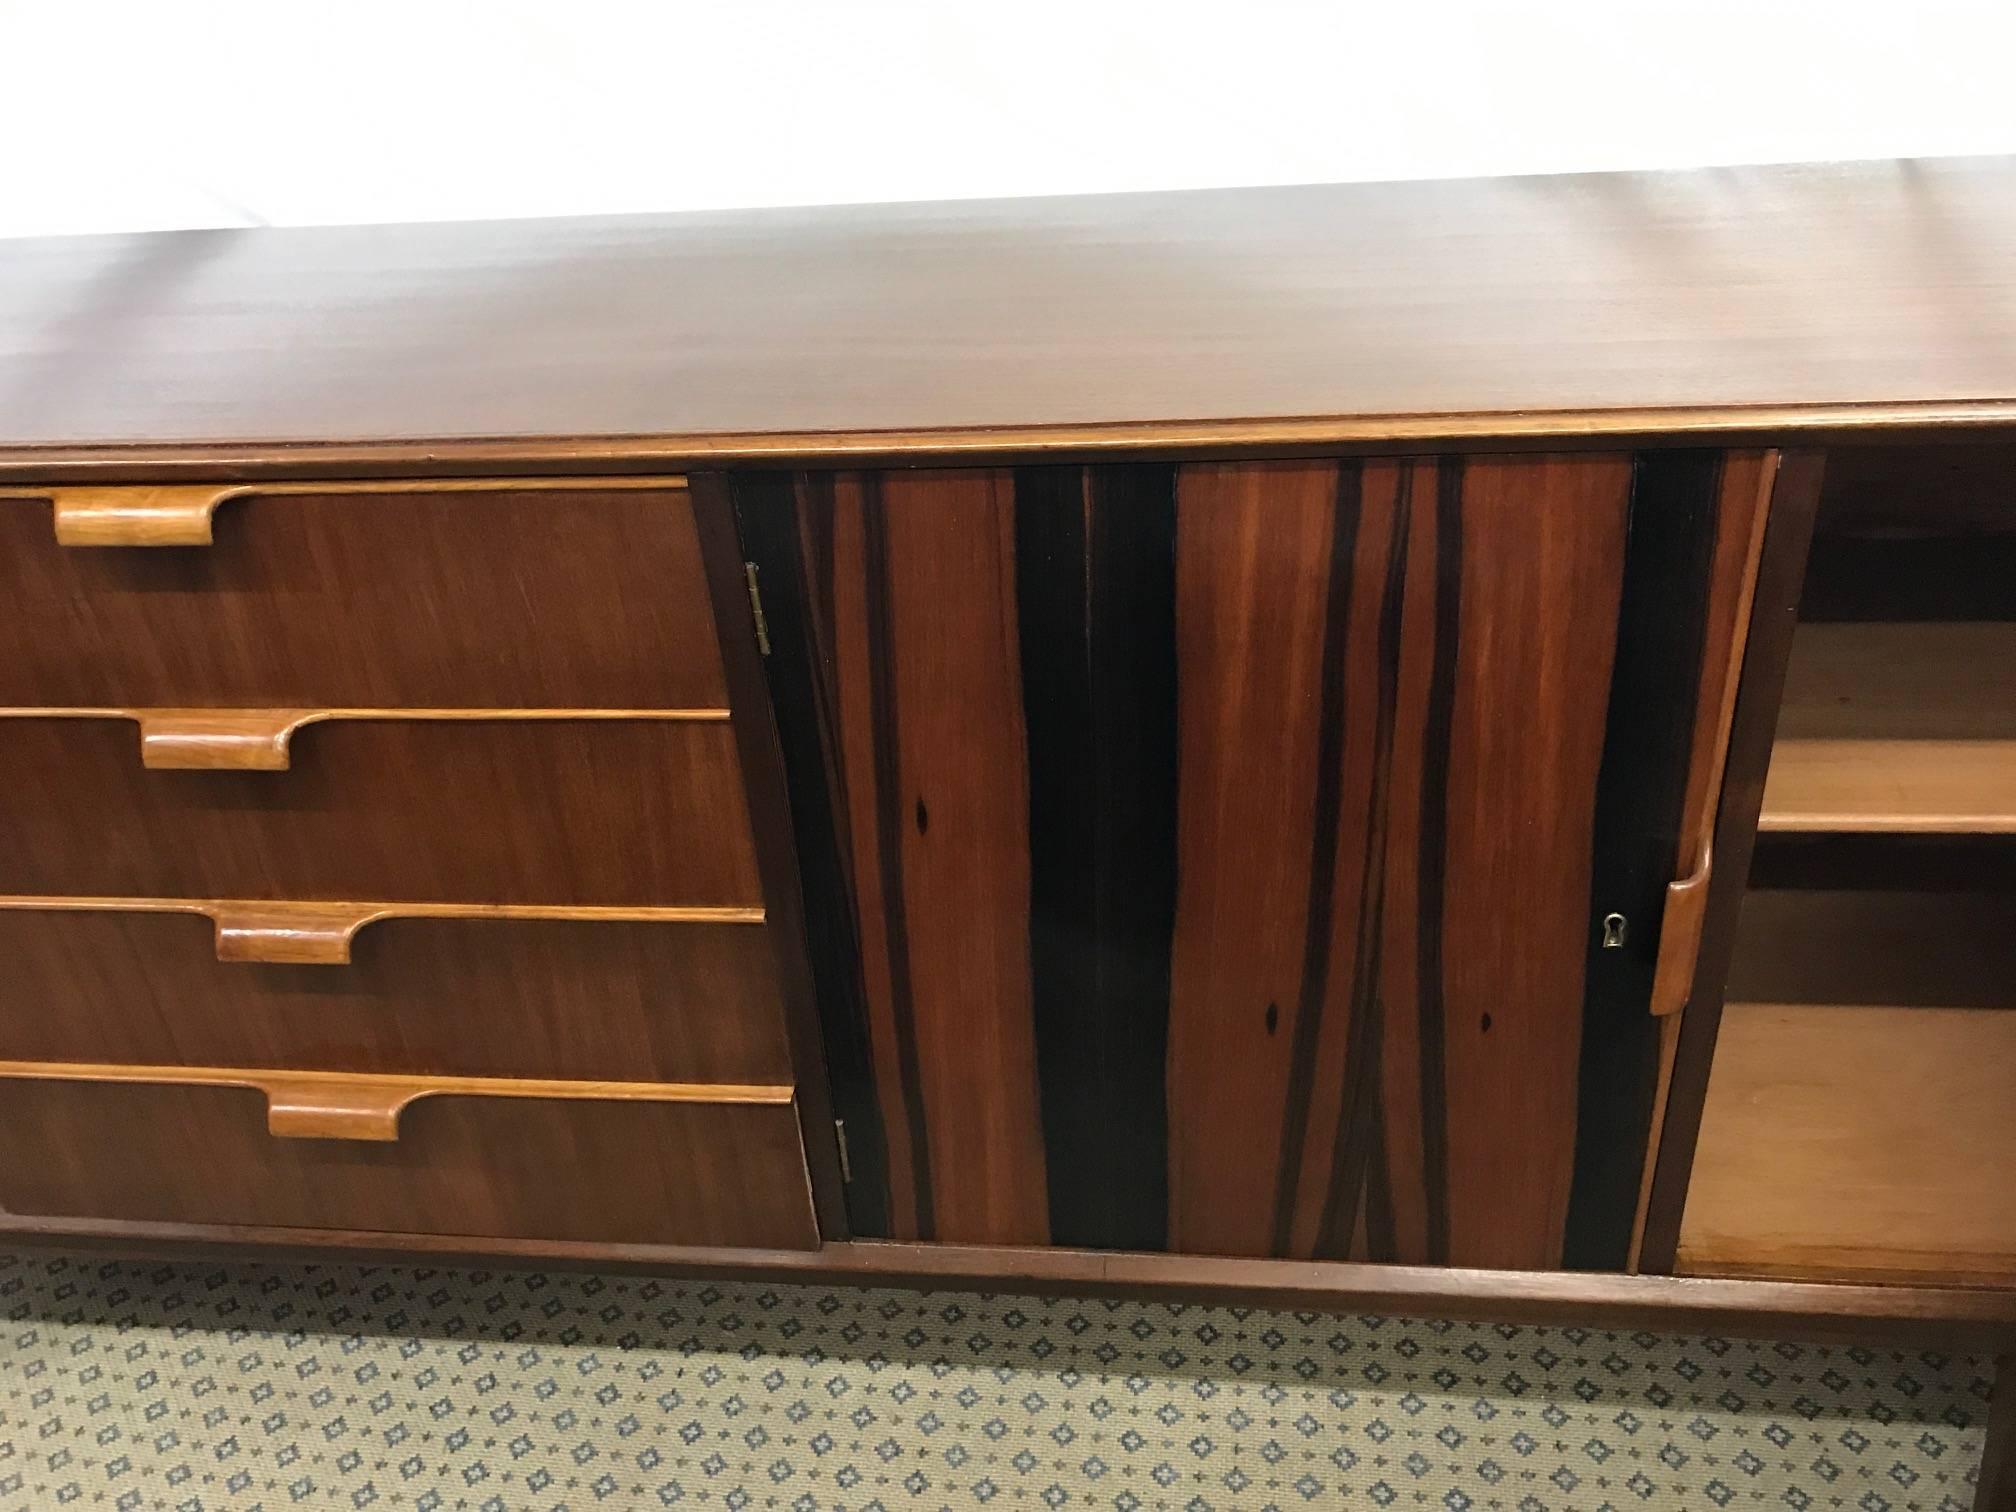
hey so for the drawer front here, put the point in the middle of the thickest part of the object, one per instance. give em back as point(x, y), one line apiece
point(624, 1000)
point(618, 1172)
point(470, 596)
point(617, 812)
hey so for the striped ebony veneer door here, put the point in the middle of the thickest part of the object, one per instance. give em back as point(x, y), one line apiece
point(1201, 856)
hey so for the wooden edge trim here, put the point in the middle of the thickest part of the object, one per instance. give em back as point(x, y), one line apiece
point(1600, 1299)
point(310, 933)
point(1852, 1263)
point(345, 1105)
point(184, 514)
point(261, 740)
point(1955, 825)
point(565, 455)
point(1913, 763)
point(1969, 1319)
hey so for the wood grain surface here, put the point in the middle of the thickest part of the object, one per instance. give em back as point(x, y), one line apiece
point(1542, 563)
point(625, 811)
point(925, 637)
point(1276, 777)
point(523, 597)
point(612, 999)
point(1500, 305)
point(1256, 559)
point(642, 1172)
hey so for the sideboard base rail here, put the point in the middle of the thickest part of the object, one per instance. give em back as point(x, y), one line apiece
point(1977, 1320)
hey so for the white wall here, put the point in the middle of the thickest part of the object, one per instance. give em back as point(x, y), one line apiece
point(161, 113)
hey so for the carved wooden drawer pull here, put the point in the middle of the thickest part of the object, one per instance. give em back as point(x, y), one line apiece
point(340, 1105)
point(182, 514)
point(241, 740)
point(290, 934)
point(1680, 937)
point(262, 740)
point(320, 934)
point(311, 933)
point(175, 515)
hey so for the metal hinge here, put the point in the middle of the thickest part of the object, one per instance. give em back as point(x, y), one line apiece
point(846, 1165)
point(756, 608)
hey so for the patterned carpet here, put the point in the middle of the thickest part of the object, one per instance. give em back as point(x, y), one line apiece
point(132, 1385)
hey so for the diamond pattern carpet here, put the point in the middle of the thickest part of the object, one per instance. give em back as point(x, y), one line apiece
point(135, 1385)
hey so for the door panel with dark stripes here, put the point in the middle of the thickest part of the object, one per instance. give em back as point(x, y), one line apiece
point(1205, 851)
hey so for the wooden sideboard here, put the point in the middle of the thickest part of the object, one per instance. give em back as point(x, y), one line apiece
point(1443, 747)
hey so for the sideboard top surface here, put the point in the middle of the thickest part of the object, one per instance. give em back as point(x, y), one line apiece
point(1862, 295)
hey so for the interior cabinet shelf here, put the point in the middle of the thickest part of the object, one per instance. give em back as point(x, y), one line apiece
point(1897, 728)
point(1859, 1112)
point(1856, 1142)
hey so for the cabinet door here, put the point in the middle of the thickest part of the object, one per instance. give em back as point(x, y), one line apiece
point(1211, 857)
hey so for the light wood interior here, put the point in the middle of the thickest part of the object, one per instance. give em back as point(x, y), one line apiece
point(1905, 728)
point(1861, 1115)
point(1861, 1109)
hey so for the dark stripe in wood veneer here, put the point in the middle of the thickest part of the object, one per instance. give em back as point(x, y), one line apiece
point(1639, 793)
point(1095, 591)
point(1253, 574)
point(792, 546)
point(1434, 850)
point(889, 821)
point(1316, 933)
point(1359, 1160)
point(758, 743)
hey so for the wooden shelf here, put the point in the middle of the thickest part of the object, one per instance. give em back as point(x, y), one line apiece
point(1859, 1118)
point(1851, 1142)
point(1896, 728)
